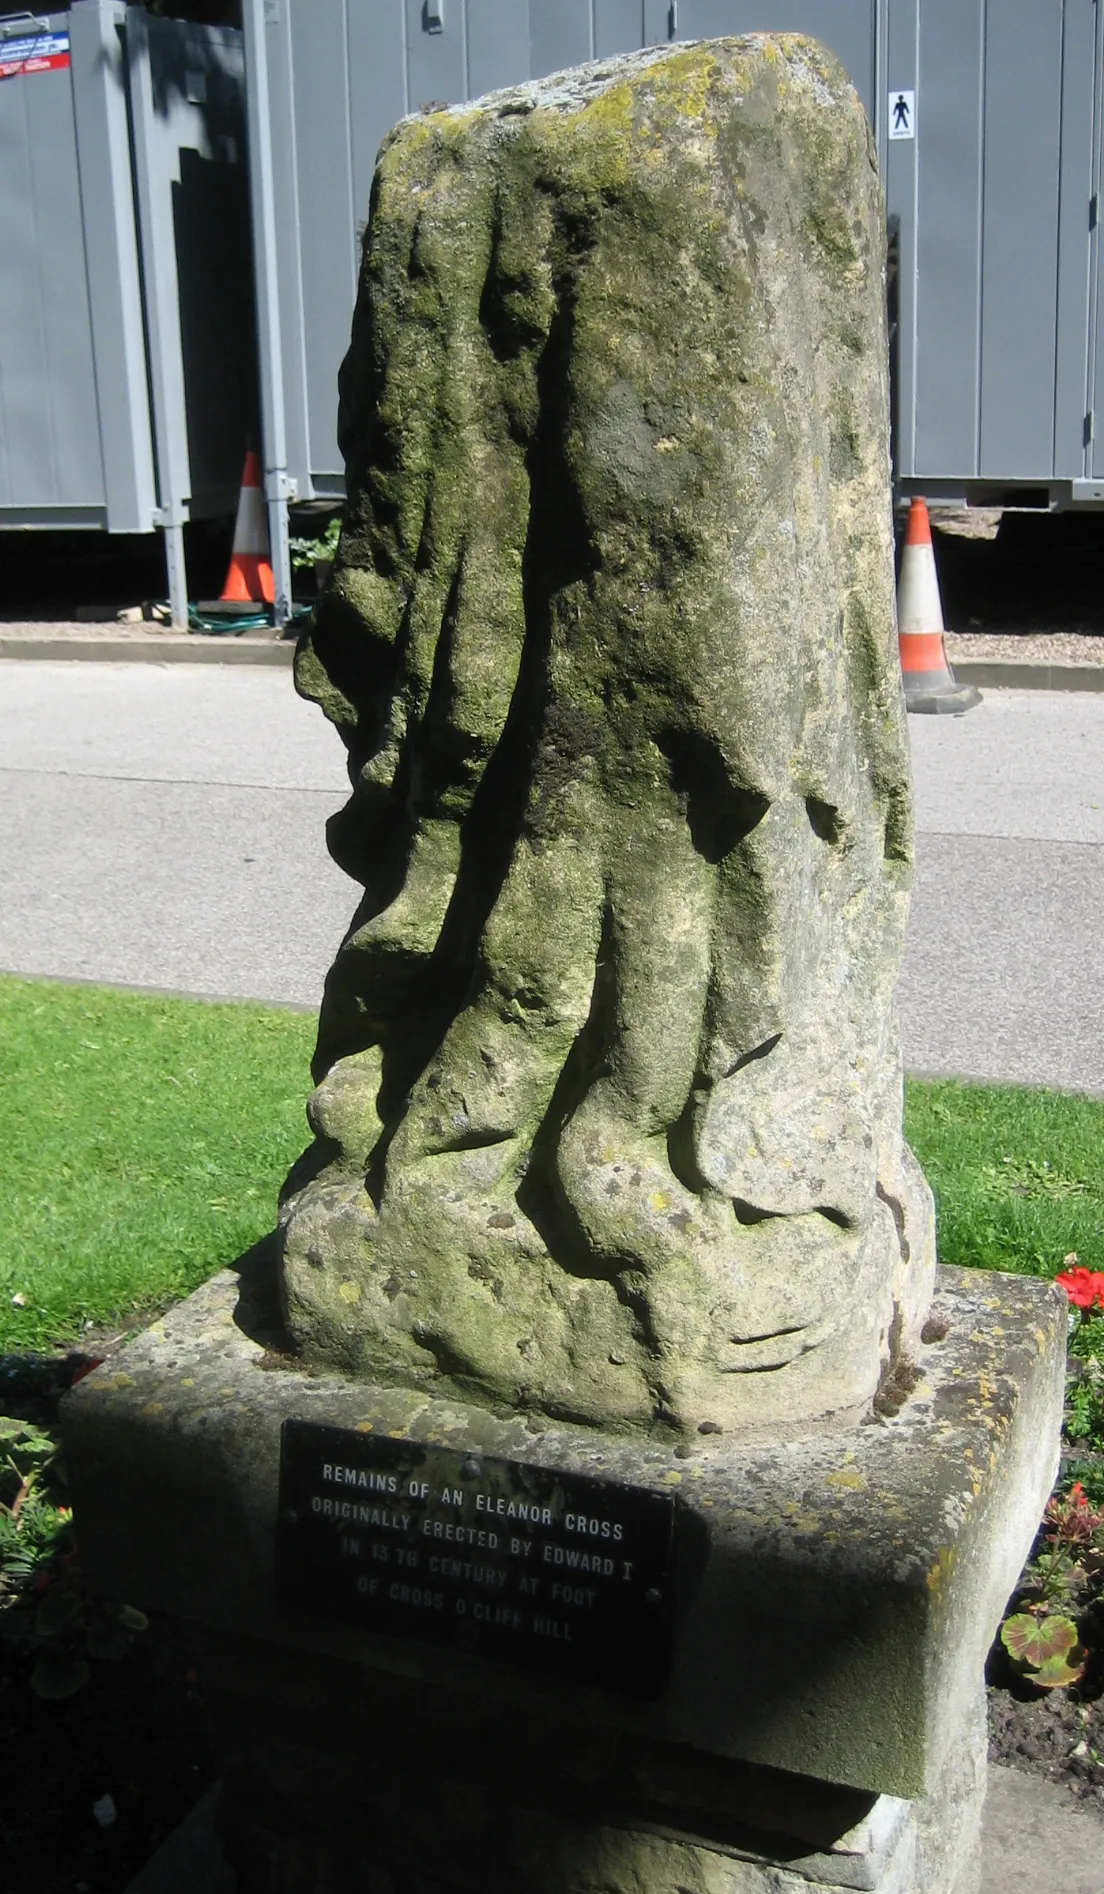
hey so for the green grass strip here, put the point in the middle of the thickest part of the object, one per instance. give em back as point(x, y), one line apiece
point(1018, 1173)
point(144, 1141)
point(142, 1145)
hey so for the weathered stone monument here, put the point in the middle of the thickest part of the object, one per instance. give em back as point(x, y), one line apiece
point(625, 1513)
point(609, 1125)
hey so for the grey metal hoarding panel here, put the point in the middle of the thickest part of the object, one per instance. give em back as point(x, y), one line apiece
point(376, 39)
point(1096, 318)
point(436, 58)
point(66, 325)
point(618, 27)
point(899, 172)
point(49, 424)
point(559, 36)
point(327, 213)
point(262, 196)
point(1071, 396)
point(948, 248)
point(283, 237)
point(1022, 119)
point(848, 27)
point(660, 25)
point(498, 44)
point(111, 256)
point(159, 286)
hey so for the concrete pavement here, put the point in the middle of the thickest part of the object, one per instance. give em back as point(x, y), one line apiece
point(1001, 976)
point(164, 826)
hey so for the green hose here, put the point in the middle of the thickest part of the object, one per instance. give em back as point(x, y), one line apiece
point(233, 627)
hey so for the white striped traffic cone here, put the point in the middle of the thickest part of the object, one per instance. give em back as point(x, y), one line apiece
point(928, 678)
point(249, 577)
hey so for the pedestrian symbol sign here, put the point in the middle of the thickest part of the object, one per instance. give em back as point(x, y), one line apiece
point(902, 115)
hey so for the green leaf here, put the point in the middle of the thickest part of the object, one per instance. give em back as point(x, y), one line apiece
point(130, 1616)
point(1035, 1641)
point(24, 1440)
point(57, 1675)
point(1059, 1671)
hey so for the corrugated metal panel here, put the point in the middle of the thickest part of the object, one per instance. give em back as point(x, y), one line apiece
point(499, 48)
point(848, 27)
point(1003, 167)
point(899, 174)
point(1095, 405)
point(1080, 66)
point(618, 27)
point(948, 243)
point(327, 211)
point(436, 61)
point(49, 416)
point(559, 36)
point(1022, 110)
point(111, 260)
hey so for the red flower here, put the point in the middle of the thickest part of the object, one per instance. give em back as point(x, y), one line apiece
point(1084, 1287)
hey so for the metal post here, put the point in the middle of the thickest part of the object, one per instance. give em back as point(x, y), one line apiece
point(162, 325)
point(176, 574)
point(279, 487)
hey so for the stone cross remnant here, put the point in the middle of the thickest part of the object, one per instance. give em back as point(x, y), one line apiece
point(516, 1575)
point(608, 1121)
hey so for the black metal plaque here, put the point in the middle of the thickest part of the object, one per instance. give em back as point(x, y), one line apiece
point(532, 1567)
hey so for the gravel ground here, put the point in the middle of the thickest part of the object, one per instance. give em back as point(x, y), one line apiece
point(1027, 647)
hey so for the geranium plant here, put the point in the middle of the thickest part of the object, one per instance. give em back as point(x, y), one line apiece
point(1084, 1287)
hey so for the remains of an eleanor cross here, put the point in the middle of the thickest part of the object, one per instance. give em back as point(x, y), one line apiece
point(608, 1118)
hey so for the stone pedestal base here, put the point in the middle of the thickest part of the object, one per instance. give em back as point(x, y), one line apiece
point(833, 1602)
point(401, 1789)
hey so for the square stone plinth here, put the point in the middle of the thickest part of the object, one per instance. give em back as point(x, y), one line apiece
point(835, 1595)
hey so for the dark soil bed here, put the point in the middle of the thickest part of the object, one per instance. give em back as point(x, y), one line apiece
point(1053, 1735)
point(91, 1784)
point(136, 1733)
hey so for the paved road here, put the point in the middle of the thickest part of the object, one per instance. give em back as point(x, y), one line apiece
point(1004, 969)
point(164, 827)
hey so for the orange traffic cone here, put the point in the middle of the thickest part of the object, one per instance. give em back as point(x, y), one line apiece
point(249, 578)
point(928, 678)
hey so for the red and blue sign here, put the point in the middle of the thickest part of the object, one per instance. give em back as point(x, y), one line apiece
point(39, 52)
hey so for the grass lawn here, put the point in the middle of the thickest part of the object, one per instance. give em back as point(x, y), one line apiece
point(1018, 1173)
point(144, 1140)
point(142, 1145)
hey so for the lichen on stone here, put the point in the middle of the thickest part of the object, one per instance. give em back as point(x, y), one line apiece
point(608, 1119)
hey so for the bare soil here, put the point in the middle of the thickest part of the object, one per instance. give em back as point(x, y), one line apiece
point(136, 1732)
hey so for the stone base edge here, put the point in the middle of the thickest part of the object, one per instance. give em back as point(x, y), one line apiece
point(304, 1811)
